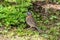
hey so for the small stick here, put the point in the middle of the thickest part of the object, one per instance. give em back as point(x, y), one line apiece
point(53, 6)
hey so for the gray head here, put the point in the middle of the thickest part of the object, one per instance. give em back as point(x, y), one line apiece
point(29, 13)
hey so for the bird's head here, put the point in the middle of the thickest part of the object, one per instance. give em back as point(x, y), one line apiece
point(29, 13)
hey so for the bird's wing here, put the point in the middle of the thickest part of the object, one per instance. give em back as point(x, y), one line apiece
point(30, 21)
point(33, 21)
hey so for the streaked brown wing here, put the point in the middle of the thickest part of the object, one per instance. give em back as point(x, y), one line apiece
point(30, 21)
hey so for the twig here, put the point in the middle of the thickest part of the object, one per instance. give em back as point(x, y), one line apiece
point(53, 6)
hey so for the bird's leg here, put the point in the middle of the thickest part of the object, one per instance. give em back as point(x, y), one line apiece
point(31, 28)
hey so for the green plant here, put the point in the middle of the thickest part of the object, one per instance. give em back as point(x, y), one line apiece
point(14, 15)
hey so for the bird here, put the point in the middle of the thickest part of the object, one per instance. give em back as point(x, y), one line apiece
point(31, 22)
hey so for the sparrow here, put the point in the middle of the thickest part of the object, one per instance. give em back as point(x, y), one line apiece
point(31, 22)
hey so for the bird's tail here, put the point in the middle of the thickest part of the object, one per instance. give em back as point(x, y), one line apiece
point(40, 31)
